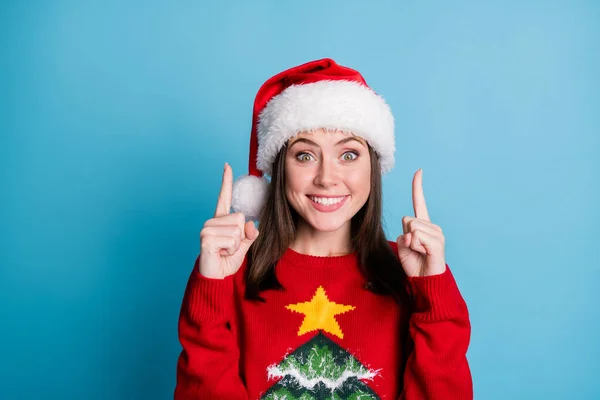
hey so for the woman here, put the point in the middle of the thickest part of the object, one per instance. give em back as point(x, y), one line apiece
point(319, 304)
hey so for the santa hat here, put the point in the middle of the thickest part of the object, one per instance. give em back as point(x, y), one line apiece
point(314, 95)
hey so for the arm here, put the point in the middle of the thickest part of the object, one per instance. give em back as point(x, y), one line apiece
point(440, 331)
point(207, 367)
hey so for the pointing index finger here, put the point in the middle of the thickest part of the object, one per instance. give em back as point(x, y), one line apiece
point(419, 205)
point(224, 202)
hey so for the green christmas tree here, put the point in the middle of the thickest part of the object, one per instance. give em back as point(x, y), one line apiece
point(320, 369)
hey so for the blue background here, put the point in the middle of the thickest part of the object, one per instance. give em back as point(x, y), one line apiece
point(116, 119)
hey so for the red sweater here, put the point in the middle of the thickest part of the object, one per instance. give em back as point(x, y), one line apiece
point(324, 337)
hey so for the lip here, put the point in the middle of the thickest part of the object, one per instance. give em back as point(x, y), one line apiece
point(325, 196)
point(331, 208)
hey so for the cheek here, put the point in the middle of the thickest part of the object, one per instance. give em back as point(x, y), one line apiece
point(298, 174)
point(291, 177)
point(361, 181)
point(295, 179)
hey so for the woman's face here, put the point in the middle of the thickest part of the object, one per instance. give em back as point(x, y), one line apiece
point(328, 177)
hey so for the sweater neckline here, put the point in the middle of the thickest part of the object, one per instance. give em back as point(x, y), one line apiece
point(291, 256)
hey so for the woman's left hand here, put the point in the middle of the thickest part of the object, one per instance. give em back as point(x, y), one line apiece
point(421, 247)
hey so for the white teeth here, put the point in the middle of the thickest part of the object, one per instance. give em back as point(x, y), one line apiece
point(327, 201)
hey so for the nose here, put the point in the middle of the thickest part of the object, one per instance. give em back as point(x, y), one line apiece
point(327, 173)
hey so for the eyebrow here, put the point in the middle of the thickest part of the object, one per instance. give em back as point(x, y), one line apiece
point(310, 142)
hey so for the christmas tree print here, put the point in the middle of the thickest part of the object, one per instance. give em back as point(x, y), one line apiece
point(320, 368)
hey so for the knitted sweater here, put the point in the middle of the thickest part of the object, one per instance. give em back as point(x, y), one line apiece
point(324, 337)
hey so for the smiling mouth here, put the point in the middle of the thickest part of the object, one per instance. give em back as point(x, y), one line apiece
point(328, 204)
point(327, 201)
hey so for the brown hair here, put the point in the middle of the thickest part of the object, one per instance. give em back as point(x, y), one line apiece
point(277, 224)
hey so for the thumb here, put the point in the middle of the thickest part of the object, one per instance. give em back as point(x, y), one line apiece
point(251, 234)
point(403, 243)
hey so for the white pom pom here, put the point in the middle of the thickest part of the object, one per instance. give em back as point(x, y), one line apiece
point(249, 195)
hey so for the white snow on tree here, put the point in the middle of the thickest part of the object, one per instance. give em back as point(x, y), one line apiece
point(320, 369)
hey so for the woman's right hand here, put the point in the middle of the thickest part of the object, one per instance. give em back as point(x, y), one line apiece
point(226, 238)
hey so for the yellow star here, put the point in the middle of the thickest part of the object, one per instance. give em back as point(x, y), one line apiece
point(319, 314)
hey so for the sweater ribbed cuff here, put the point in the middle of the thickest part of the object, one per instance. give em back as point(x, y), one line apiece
point(209, 299)
point(437, 297)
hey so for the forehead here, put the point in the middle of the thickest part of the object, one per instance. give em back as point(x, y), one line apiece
point(332, 134)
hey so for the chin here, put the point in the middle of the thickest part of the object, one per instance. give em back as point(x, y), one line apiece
point(324, 225)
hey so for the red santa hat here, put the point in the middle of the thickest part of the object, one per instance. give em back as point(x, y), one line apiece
point(318, 94)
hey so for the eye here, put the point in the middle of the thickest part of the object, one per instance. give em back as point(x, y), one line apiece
point(350, 156)
point(303, 157)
